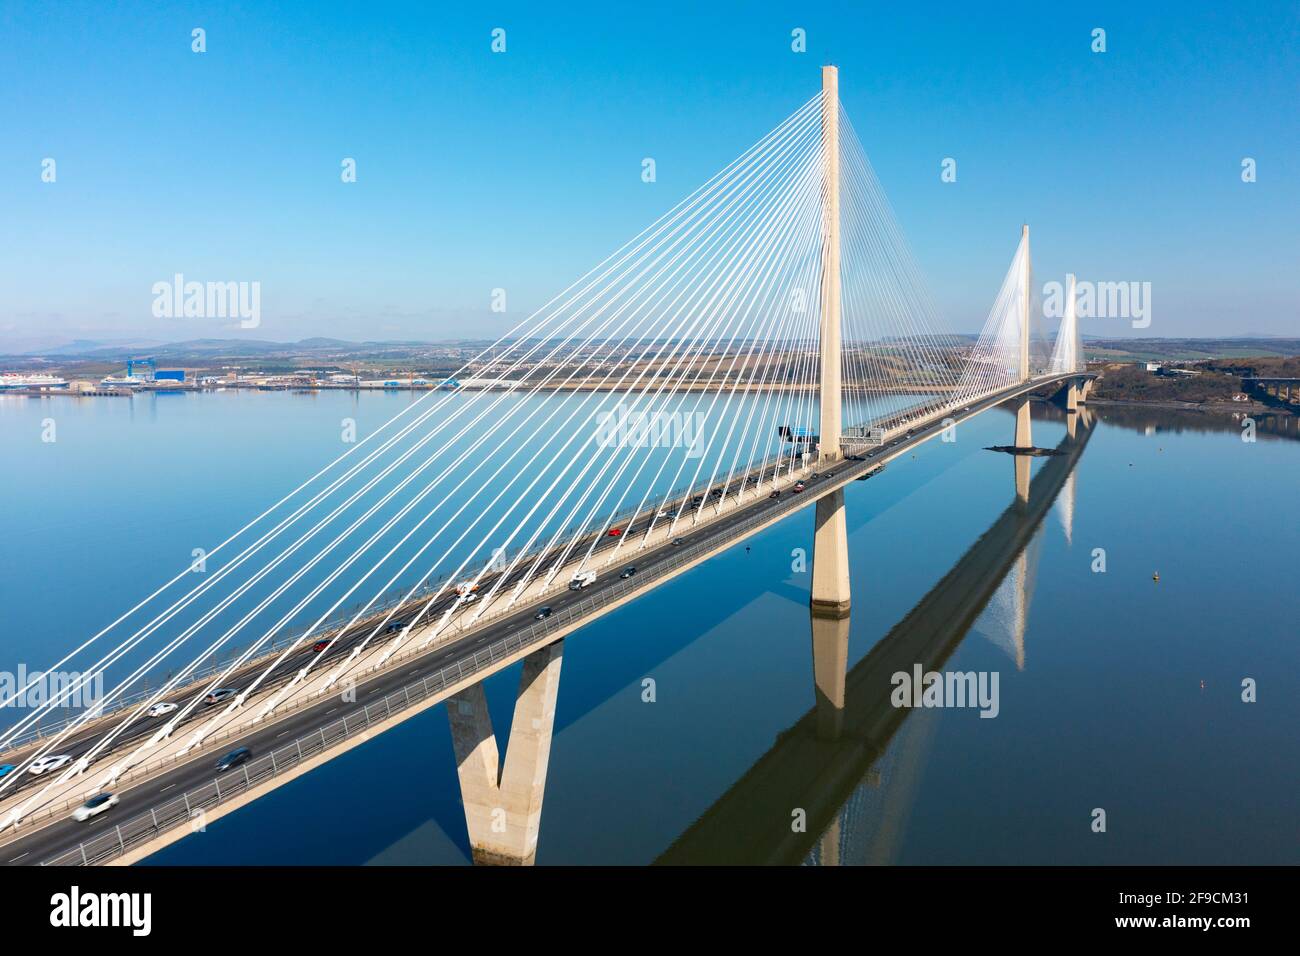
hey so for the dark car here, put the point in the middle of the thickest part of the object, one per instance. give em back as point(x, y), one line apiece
point(627, 572)
point(679, 541)
point(775, 494)
point(394, 626)
point(234, 759)
point(542, 614)
point(219, 695)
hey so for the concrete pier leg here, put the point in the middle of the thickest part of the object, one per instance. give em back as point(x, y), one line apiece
point(1024, 433)
point(1072, 398)
point(1083, 392)
point(830, 651)
point(830, 582)
point(503, 808)
point(1024, 439)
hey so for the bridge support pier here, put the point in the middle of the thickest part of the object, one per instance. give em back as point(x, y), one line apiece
point(1072, 398)
point(1024, 440)
point(830, 652)
point(503, 806)
point(830, 577)
point(1084, 390)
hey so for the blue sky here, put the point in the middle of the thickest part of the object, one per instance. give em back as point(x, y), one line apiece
point(522, 170)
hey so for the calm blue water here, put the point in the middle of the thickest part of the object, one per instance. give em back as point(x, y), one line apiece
point(1128, 697)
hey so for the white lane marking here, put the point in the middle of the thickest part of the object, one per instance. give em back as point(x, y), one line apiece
point(19, 857)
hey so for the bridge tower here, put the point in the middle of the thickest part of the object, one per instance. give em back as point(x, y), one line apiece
point(1024, 436)
point(830, 583)
point(829, 434)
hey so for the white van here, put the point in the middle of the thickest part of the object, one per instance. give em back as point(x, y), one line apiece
point(581, 579)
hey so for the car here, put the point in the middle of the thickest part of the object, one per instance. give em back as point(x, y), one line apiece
point(99, 803)
point(775, 494)
point(394, 626)
point(615, 532)
point(466, 587)
point(966, 409)
point(234, 759)
point(799, 486)
point(814, 476)
point(46, 764)
point(581, 579)
point(219, 695)
point(627, 572)
point(469, 597)
point(160, 709)
point(678, 541)
point(662, 514)
point(542, 614)
point(697, 499)
point(321, 645)
point(6, 769)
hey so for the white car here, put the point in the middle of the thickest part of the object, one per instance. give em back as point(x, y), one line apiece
point(95, 806)
point(46, 764)
point(469, 597)
point(160, 709)
point(581, 579)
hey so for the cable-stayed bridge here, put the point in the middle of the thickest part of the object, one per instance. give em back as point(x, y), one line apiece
point(765, 342)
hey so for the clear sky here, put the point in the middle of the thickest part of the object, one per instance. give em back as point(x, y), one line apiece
point(522, 170)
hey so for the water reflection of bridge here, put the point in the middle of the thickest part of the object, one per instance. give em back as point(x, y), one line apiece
point(829, 763)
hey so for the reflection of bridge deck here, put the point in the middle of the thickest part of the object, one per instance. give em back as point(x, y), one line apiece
point(159, 796)
point(818, 772)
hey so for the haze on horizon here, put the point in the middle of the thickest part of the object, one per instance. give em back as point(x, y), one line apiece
point(521, 170)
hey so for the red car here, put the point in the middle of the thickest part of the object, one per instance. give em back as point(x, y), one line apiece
point(320, 645)
point(615, 532)
point(799, 486)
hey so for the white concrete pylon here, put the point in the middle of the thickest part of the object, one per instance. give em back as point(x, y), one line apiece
point(830, 331)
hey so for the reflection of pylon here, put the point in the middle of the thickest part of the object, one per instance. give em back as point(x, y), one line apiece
point(1065, 509)
point(1005, 621)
